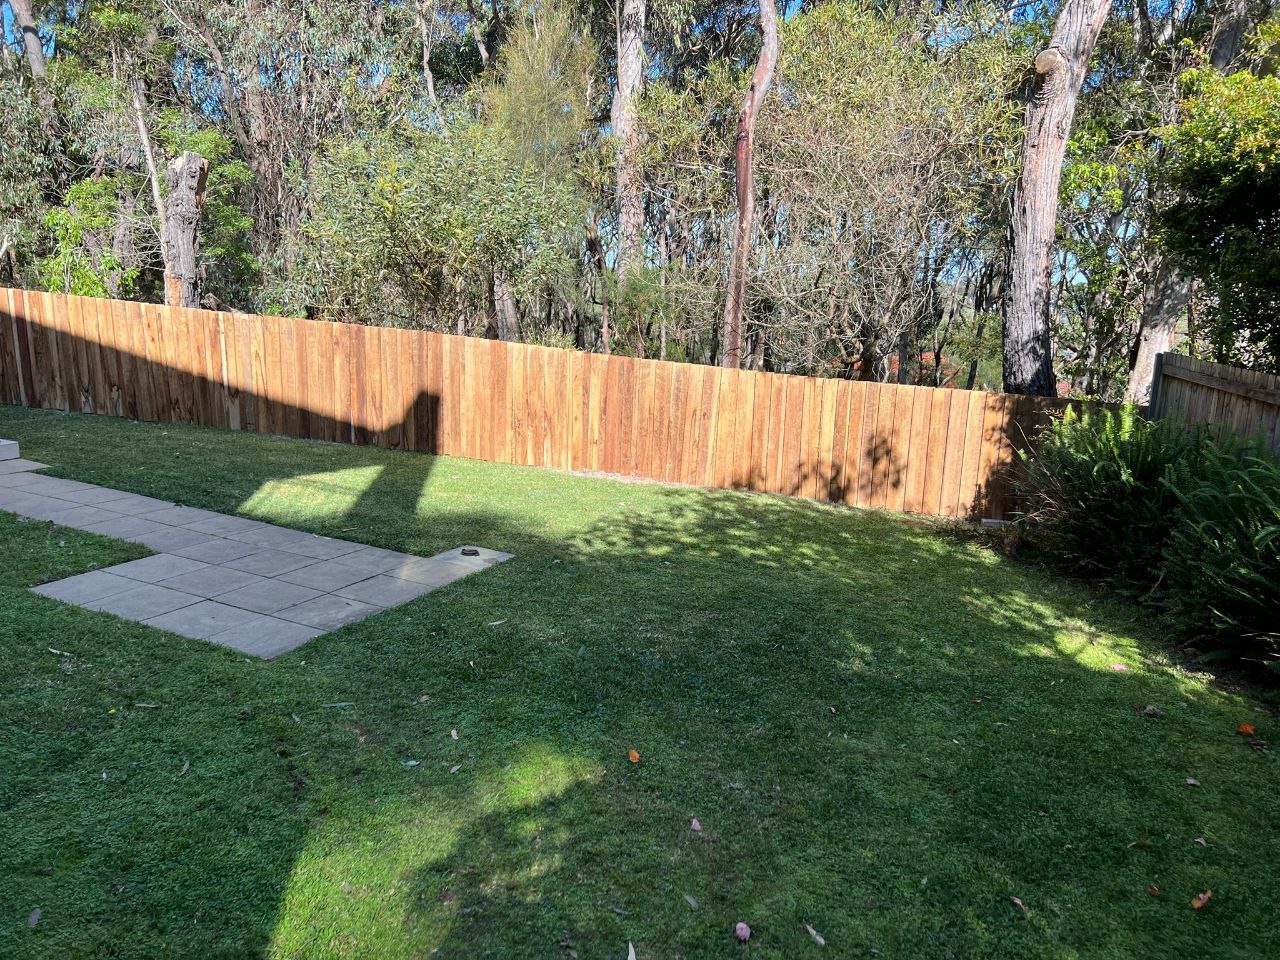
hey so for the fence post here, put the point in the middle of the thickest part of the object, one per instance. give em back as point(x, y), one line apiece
point(1157, 379)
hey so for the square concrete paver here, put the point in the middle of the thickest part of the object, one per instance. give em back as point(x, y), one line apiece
point(268, 596)
point(275, 588)
point(328, 612)
point(169, 538)
point(269, 563)
point(384, 591)
point(143, 602)
point(429, 570)
point(211, 581)
point(86, 587)
point(83, 516)
point(326, 575)
point(134, 504)
point(217, 550)
point(266, 637)
point(201, 620)
point(20, 465)
point(160, 566)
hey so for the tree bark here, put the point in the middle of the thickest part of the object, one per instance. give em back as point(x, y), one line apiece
point(630, 38)
point(1168, 293)
point(26, 23)
point(1060, 71)
point(731, 352)
point(186, 179)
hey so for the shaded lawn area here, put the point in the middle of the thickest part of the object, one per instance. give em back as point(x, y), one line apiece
point(886, 732)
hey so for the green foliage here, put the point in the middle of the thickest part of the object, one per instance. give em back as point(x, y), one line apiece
point(25, 165)
point(1222, 559)
point(1224, 220)
point(72, 267)
point(1094, 490)
point(1190, 521)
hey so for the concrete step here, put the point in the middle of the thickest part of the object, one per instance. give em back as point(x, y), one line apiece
point(9, 450)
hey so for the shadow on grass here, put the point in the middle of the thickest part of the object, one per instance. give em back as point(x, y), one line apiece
point(884, 733)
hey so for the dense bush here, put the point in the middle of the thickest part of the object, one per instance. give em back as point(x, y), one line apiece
point(1189, 522)
point(1222, 556)
point(1093, 491)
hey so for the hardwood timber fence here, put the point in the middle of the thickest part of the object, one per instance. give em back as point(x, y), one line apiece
point(1240, 401)
point(933, 451)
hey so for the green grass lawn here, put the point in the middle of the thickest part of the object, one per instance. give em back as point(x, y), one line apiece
point(886, 731)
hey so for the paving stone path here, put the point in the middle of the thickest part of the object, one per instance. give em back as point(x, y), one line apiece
point(251, 586)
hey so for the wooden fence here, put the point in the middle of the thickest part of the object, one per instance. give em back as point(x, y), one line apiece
point(932, 451)
point(1241, 401)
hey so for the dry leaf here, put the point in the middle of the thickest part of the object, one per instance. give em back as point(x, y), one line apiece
point(412, 763)
point(1200, 899)
point(455, 768)
point(631, 951)
point(186, 765)
point(742, 932)
point(1246, 730)
point(454, 733)
point(817, 937)
point(33, 918)
point(1153, 712)
point(1192, 782)
point(1119, 667)
point(1200, 842)
point(1153, 890)
point(693, 904)
point(695, 825)
point(1019, 904)
point(633, 756)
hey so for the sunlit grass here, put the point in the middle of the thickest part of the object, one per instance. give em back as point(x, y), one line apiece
point(885, 731)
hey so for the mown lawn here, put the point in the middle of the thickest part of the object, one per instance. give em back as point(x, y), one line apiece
point(886, 732)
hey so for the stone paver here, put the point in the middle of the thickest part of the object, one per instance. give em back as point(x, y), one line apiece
point(144, 601)
point(160, 566)
point(243, 584)
point(328, 612)
point(201, 620)
point(327, 575)
point(270, 563)
point(266, 637)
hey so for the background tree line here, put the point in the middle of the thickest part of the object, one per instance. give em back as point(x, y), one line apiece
point(1039, 195)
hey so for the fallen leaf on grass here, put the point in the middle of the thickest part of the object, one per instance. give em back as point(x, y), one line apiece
point(1192, 782)
point(455, 768)
point(693, 904)
point(1119, 667)
point(1153, 890)
point(817, 937)
point(1153, 711)
point(1246, 730)
point(1017, 901)
point(742, 932)
point(633, 756)
point(695, 825)
point(631, 951)
point(1200, 842)
point(412, 763)
point(33, 918)
point(1200, 899)
point(454, 733)
point(186, 765)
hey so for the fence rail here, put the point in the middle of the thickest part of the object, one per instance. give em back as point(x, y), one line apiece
point(933, 451)
point(1241, 401)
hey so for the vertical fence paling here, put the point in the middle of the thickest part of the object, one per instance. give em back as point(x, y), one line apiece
point(920, 449)
point(1232, 399)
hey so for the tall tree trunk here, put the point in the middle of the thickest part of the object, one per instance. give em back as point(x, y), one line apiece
point(630, 34)
point(1060, 70)
point(26, 23)
point(506, 316)
point(186, 180)
point(1168, 292)
point(731, 353)
point(424, 17)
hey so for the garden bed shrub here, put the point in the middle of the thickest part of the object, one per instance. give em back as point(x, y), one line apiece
point(1093, 491)
point(1188, 522)
point(1222, 556)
